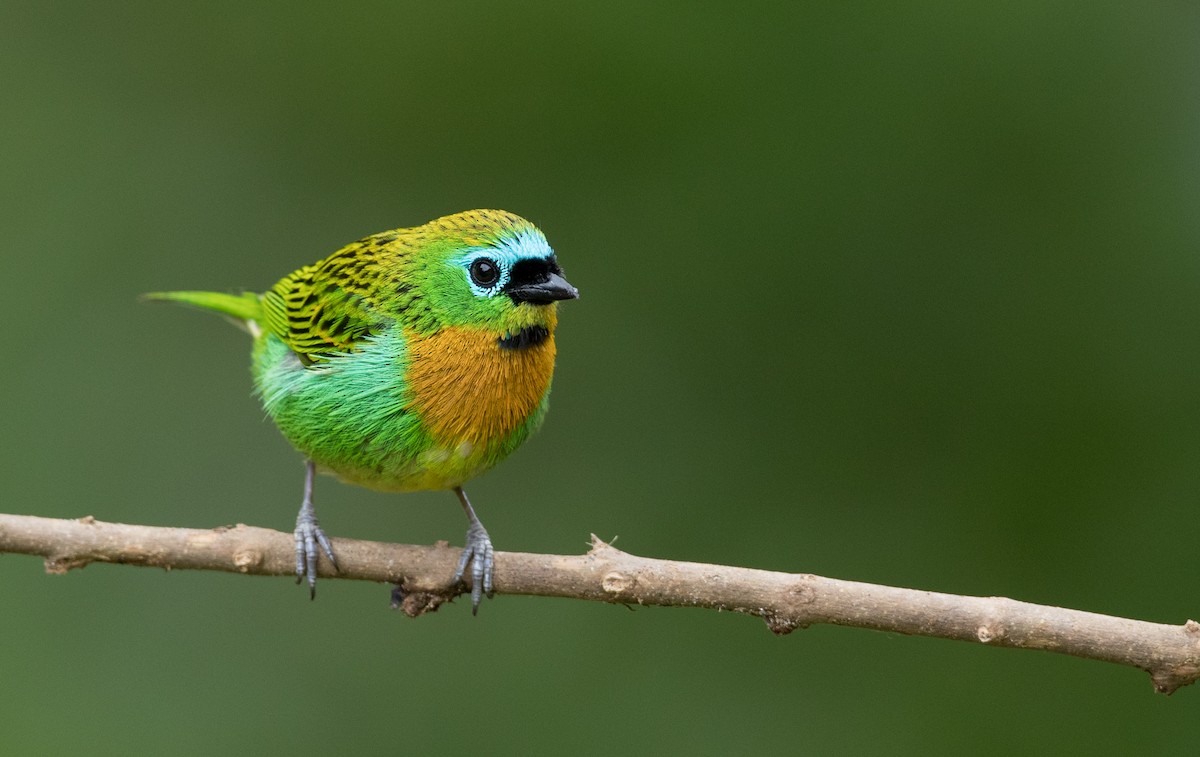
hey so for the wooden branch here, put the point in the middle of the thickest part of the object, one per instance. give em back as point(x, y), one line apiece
point(786, 601)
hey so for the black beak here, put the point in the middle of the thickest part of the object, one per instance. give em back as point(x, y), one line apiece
point(554, 288)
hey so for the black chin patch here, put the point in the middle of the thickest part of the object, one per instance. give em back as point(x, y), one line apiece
point(529, 336)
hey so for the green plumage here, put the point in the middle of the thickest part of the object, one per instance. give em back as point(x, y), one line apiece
point(242, 308)
point(324, 309)
point(410, 359)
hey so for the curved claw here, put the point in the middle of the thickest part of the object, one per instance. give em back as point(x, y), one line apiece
point(308, 535)
point(480, 555)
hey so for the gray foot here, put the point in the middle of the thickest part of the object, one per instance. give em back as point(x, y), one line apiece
point(308, 536)
point(479, 554)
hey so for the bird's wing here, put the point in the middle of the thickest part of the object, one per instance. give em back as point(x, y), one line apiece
point(324, 309)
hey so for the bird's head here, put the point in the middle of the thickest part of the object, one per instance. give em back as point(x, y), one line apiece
point(487, 269)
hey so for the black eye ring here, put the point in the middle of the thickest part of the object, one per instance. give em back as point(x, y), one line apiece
point(485, 272)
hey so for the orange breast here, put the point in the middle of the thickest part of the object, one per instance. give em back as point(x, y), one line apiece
point(467, 389)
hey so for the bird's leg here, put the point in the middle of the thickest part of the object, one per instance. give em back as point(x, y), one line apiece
point(478, 552)
point(308, 535)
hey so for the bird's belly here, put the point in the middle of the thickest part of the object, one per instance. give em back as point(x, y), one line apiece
point(405, 412)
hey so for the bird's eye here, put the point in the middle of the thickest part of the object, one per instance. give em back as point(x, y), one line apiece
point(485, 272)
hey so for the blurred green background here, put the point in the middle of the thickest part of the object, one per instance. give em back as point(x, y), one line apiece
point(901, 294)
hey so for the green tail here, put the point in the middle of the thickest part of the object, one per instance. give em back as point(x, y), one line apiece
point(242, 308)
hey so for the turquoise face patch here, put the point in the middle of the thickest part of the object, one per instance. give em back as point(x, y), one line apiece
point(527, 244)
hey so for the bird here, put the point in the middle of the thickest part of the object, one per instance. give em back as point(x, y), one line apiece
point(412, 359)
